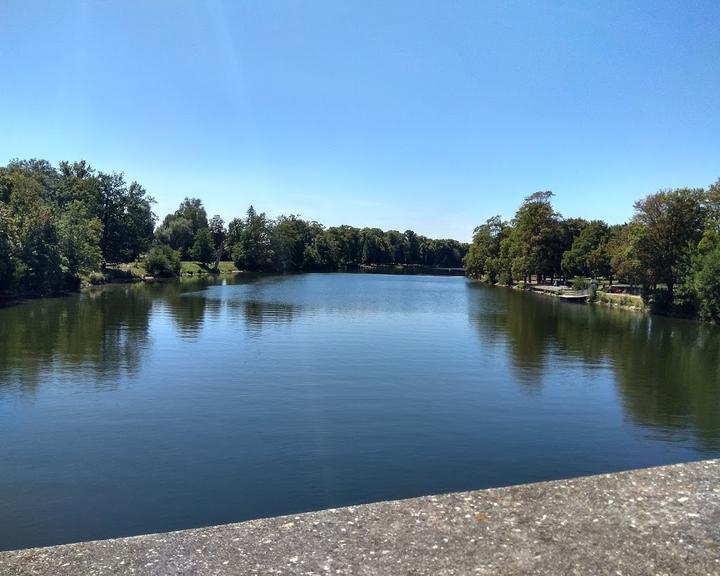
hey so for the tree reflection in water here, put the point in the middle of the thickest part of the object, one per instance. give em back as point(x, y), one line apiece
point(667, 371)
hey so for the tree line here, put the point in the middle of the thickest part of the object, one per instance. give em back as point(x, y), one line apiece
point(61, 225)
point(290, 244)
point(670, 248)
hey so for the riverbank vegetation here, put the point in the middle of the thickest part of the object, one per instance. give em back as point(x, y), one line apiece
point(669, 250)
point(65, 225)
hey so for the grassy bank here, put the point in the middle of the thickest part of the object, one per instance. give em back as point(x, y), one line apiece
point(628, 301)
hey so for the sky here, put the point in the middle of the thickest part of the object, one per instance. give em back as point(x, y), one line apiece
point(428, 115)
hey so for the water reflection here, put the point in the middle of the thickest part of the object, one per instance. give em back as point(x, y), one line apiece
point(256, 313)
point(146, 408)
point(103, 333)
point(667, 371)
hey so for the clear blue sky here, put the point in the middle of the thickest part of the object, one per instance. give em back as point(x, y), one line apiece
point(424, 115)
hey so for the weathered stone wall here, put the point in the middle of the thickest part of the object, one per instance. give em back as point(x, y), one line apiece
point(656, 521)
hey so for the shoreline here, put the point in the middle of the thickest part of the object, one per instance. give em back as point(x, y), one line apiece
point(127, 277)
point(604, 299)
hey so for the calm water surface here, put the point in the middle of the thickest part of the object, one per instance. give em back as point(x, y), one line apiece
point(134, 409)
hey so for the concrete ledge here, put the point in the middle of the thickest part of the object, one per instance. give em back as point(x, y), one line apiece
point(656, 521)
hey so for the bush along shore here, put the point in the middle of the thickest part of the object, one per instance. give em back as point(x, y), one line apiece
point(66, 226)
point(666, 258)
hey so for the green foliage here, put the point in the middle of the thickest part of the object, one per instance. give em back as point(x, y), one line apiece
point(178, 229)
point(162, 261)
point(672, 222)
point(707, 284)
point(580, 283)
point(8, 250)
point(192, 210)
point(535, 233)
point(40, 269)
point(219, 234)
point(139, 222)
point(706, 275)
point(178, 234)
point(375, 249)
point(79, 237)
point(59, 224)
point(96, 278)
point(484, 254)
point(252, 247)
point(669, 249)
point(589, 254)
point(126, 217)
point(290, 235)
point(203, 249)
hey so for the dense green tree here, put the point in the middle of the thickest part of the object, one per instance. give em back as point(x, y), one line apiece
point(112, 191)
point(323, 253)
point(40, 270)
point(712, 202)
point(203, 249)
point(252, 247)
point(139, 222)
point(176, 233)
point(162, 260)
point(485, 248)
point(534, 232)
point(412, 248)
point(8, 250)
point(589, 255)
point(63, 223)
point(219, 234)
point(126, 217)
point(349, 242)
point(375, 249)
point(192, 210)
point(178, 229)
point(78, 182)
point(673, 223)
point(79, 239)
point(624, 253)
point(39, 171)
point(290, 236)
point(397, 245)
point(707, 284)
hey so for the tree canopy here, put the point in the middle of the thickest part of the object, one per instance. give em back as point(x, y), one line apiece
point(672, 240)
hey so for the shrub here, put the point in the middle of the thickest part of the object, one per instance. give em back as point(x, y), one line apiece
point(96, 278)
point(162, 261)
point(707, 286)
point(580, 283)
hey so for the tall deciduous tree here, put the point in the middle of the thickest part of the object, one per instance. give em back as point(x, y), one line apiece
point(535, 228)
point(484, 248)
point(203, 249)
point(673, 222)
point(253, 248)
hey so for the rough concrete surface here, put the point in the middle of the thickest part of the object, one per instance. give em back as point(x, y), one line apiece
point(662, 520)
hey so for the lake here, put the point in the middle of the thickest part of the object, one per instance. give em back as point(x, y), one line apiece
point(142, 408)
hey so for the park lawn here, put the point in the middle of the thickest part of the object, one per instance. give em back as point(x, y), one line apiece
point(191, 267)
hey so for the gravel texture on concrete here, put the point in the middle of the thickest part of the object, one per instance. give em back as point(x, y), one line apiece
point(656, 521)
